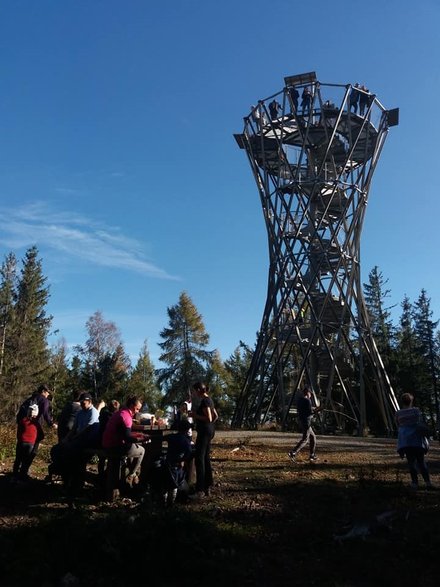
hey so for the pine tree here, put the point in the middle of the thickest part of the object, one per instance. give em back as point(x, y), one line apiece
point(409, 362)
point(113, 372)
point(425, 329)
point(184, 343)
point(76, 381)
point(143, 381)
point(30, 350)
point(375, 293)
point(237, 367)
point(59, 375)
point(8, 286)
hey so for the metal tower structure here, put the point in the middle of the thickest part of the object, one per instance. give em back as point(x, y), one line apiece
point(313, 148)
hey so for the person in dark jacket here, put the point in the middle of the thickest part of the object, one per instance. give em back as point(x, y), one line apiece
point(66, 419)
point(205, 415)
point(179, 454)
point(40, 397)
point(305, 414)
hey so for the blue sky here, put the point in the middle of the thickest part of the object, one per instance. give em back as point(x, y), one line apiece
point(118, 160)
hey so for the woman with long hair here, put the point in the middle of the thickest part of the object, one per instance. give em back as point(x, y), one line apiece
point(204, 416)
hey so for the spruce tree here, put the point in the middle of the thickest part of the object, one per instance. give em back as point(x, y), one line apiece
point(59, 375)
point(143, 381)
point(409, 361)
point(376, 293)
point(184, 350)
point(32, 324)
point(8, 285)
point(237, 367)
point(425, 329)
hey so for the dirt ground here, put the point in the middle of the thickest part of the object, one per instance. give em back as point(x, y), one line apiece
point(350, 519)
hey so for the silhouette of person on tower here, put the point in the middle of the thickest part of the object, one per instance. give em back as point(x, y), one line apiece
point(306, 100)
point(354, 98)
point(294, 96)
point(364, 99)
point(274, 109)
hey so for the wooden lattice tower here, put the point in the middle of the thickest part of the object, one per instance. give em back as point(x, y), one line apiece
point(313, 163)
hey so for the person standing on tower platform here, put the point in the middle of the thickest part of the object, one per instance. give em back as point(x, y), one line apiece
point(305, 415)
point(364, 99)
point(354, 98)
point(306, 100)
point(294, 96)
point(274, 109)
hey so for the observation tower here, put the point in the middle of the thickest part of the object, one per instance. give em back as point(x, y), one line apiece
point(313, 148)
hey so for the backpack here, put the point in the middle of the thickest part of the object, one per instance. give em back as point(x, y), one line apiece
point(24, 408)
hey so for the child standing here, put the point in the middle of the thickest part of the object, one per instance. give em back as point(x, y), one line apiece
point(29, 432)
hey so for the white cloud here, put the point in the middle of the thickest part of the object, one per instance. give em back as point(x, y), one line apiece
point(76, 236)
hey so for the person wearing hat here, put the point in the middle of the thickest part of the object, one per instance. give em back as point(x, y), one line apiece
point(68, 457)
point(85, 430)
point(43, 397)
point(29, 432)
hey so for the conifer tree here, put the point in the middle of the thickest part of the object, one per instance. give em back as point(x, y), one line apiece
point(425, 329)
point(8, 273)
point(143, 381)
point(113, 372)
point(184, 350)
point(59, 376)
point(409, 362)
point(376, 293)
point(31, 328)
point(237, 367)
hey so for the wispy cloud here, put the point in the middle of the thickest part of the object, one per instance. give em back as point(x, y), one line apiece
point(74, 235)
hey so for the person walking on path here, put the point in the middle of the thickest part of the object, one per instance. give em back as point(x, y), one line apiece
point(411, 440)
point(305, 415)
point(204, 416)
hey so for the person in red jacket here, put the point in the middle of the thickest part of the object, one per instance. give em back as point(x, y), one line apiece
point(29, 433)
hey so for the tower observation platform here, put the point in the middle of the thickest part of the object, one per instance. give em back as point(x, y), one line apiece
point(313, 148)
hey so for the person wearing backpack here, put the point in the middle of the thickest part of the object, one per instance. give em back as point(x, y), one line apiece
point(29, 433)
point(40, 398)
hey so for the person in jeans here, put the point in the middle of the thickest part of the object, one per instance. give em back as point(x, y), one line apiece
point(411, 441)
point(119, 437)
point(204, 416)
point(28, 433)
point(305, 415)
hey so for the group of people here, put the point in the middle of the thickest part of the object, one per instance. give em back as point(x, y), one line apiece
point(360, 99)
point(82, 426)
point(412, 435)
